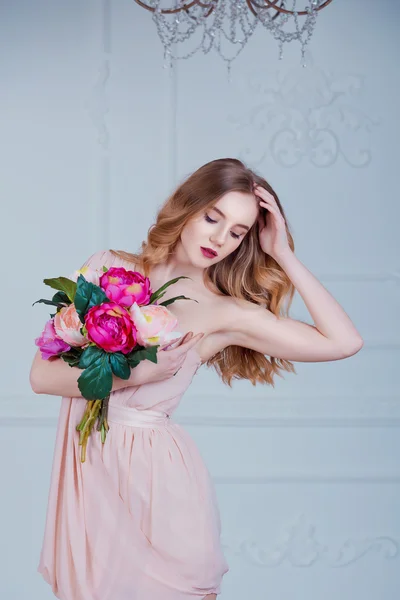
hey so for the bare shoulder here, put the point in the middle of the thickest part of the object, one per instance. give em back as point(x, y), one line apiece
point(227, 313)
point(238, 310)
point(109, 258)
point(127, 258)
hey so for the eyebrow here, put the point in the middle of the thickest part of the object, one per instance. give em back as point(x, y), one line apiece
point(222, 215)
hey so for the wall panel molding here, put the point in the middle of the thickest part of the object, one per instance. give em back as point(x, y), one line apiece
point(324, 410)
point(373, 277)
point(97, 107)
point(292, 119)
point(336, 477)
point(298, 545)
point(171, 106)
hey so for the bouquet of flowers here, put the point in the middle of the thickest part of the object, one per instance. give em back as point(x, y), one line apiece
point(106, 322)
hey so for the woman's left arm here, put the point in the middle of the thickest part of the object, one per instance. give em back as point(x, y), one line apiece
point(329, 318)
point(333, 335)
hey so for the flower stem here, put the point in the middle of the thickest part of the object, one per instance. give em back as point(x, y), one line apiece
point(81, 425)
point(95, 409)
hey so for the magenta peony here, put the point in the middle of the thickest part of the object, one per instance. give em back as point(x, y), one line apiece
point(126, 287)
point(49, 343)
point(110, 327)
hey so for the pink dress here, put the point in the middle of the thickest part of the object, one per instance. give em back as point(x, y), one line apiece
point(139, 519)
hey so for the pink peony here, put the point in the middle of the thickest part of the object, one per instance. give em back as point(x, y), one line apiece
point(68, 325)
point(154, 324)
point(110, 327)
point(50, 345)
point(89, 274)
point(126, 287)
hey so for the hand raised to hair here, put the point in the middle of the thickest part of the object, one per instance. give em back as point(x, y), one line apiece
point(271, 225)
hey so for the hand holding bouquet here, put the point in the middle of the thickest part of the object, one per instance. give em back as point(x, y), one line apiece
point(106, 323)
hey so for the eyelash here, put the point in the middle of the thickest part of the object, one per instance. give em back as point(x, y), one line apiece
point(209, 220)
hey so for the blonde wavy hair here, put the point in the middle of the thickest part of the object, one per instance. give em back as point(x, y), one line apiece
point(247, 273)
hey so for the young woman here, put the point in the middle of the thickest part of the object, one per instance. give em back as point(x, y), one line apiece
point(139, 519)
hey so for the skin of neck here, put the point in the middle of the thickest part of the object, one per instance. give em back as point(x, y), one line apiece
point(179, 264)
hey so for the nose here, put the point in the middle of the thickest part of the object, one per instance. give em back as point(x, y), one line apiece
point(218, 239)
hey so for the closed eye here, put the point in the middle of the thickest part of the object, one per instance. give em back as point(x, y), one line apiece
point(209, 220)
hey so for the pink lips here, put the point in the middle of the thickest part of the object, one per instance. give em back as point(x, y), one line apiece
point(207, 252)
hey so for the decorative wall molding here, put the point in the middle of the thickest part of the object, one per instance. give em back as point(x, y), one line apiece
point(171, 104)
point(305, 114)
point(97, 104)
point(377, 277)
point(314, 476)
point(298, 546)
point(324, 410)
point(42, 412)
point(97, 107)
point(384, 346)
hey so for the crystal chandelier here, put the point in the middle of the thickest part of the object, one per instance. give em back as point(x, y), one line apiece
point(227, 25)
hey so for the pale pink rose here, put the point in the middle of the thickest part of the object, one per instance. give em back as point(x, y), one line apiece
point(68, 324)
point(89, 274)
point(154, 324)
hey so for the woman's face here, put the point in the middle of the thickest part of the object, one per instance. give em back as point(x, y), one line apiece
point(220, 228)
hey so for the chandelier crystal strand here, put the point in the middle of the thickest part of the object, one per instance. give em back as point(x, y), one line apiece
point(226, 26)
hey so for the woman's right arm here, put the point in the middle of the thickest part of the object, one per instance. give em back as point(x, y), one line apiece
point(56, 378)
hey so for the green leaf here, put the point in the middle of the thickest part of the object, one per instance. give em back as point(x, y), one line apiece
point(88, 295)
point(119, 365)
point(137, 355)
point(61, 298)
point(133, 362)
point(82, 296)
point(95, 383)
point(98, 296)
point(171, 300)
point(43, 301)
point(153, 300)
point(64, 285)
point(72, 357)
point(89, 356)
point(158, 293)
point(105, 269)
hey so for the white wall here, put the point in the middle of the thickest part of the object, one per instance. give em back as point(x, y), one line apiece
point(95, 134)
